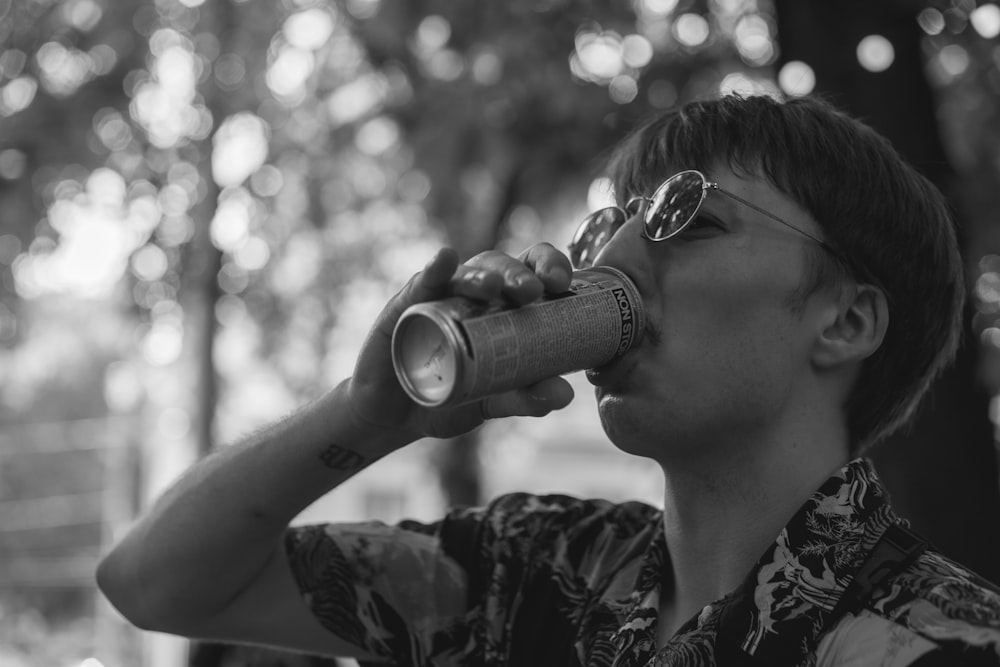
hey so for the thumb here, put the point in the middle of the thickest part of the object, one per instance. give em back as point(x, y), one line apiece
point(535, 400)
point(431, 283)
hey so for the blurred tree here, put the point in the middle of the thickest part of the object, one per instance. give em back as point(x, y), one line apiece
point(871, 59)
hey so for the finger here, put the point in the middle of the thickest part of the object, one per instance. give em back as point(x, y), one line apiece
point(536, 400)
point(551, 266)
point(519, 285)
point(435, 275)
point(474, 283)
point(429, 284)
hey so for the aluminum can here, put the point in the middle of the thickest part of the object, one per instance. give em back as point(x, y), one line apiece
point(457, 350)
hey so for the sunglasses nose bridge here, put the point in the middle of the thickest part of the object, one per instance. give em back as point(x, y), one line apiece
point(635, 206)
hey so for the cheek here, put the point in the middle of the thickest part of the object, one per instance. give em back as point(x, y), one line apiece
point(729, 317)
point(742, 339)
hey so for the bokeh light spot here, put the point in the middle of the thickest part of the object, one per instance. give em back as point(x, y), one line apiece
point(112, 129)
point(953, 59)
point(150, 263)
point(309, 29)
point(691, 29)
point(487, 68)
point(598, 56)
point(661, 7)
point(362, 9)
point(12, 62)
point(163, 344)
point(797, 78)
point(287, 75)
point(445, 64)
point(239, 148)
point(230, 226)
point(230, 70)
point(12, 164)
point(17, 95)
point(377, 136)
point(267, 181)
point(931, 21)
point(875, 53)
point(253, 255)
point(636, 51)
point(753, 39)
point(623, 89)
point(358, 98)
point(985, 20)
point(83, 15)
point(433, 33)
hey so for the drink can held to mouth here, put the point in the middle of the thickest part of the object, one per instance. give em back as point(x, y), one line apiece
point(457, 350)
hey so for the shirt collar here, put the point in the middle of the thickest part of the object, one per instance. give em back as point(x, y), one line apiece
point(792, 590)
point(785, 602)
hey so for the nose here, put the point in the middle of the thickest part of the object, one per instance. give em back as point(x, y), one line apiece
point(627, 250)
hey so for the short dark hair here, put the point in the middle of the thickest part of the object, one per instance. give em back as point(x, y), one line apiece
point(893, 226)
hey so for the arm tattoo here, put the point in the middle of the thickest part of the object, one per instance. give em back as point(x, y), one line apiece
point(336, 457)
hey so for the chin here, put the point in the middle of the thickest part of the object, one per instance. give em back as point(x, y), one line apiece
point(623, 424)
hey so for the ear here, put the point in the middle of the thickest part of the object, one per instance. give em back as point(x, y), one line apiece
point(853, 330)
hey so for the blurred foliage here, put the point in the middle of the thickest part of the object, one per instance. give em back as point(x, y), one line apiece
point(203, 203)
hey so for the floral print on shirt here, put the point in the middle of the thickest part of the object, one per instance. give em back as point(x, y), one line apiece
point(559, 581)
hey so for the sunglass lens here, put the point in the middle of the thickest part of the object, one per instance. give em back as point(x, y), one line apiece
point(674, 204)
point(593, 234)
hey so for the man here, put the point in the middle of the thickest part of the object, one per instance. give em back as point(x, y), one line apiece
point(802, 287)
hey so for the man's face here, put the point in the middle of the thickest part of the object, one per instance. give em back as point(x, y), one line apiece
point(729, 356)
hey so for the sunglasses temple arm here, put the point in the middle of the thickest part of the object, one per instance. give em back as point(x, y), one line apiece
point(866, 275)
point(772, 216)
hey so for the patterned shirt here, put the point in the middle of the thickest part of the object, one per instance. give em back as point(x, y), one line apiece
point(556, 581)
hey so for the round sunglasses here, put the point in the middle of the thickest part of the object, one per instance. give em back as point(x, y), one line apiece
point(671, 209)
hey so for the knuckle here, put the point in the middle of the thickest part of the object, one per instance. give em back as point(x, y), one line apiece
point(488, 258)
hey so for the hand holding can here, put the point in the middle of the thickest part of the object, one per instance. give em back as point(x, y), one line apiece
point(456, 350)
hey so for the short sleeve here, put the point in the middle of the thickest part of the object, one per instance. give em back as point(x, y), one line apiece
point(391, 590)
point(487, 585)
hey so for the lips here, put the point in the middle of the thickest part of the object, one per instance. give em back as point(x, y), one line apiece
point(612, 373)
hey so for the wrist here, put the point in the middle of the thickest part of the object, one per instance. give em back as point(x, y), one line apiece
point(349, 421)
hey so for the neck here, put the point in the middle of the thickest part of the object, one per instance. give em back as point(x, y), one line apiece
point(723, 508)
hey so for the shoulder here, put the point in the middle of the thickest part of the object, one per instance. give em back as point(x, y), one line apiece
point(936, 612)
point(936, 592)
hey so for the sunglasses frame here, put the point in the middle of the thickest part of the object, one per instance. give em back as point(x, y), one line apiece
point(706, 185)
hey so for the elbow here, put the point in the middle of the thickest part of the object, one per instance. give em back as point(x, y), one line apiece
point(148, 597)
point(143, 600)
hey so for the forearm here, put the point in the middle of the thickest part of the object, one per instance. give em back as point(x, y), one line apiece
point(210, 534)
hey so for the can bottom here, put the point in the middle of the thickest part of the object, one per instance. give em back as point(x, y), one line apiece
point(427, 360)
